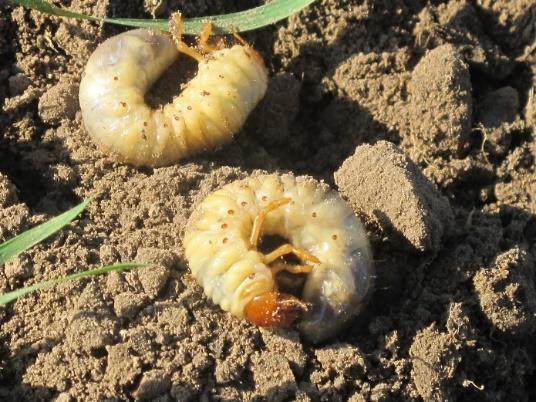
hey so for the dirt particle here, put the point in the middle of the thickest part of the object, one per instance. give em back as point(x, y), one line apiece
point(91, 330)
point(59, 102)
point(153, 384)
point(13, 220)
point(289, 345)
point(280, 384)
point(128, 304)
point(440, 104)
point(155, 277)
point(340, 365)
point(435, 356)
point(459, 23)
point(382, 182)
point(123, 367)
point(507, 294)
point(8, 192)
point(511, 24)
point(20, 267)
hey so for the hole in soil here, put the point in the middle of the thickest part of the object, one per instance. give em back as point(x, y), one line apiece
point(530, 230)
point(30, 188)
point(99, 353)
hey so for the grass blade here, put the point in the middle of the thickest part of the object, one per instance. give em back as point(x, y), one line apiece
point(24, 241)
point(15, 294)
point(242, 21)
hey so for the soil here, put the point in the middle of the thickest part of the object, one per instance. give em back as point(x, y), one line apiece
point(423, 112)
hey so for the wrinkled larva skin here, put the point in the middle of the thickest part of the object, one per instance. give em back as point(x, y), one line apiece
point(317, 220)
point(210, 110)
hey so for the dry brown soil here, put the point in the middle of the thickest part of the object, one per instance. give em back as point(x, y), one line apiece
point(422, 113)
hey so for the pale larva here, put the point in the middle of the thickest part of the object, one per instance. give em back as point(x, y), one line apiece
point(221, 247)
point(208, 112)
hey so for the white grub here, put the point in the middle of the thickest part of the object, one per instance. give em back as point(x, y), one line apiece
point(205, 115)
point(313, 219)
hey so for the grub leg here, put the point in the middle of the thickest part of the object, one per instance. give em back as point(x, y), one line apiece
point(176, 28)
point(288, 248)
point(203, 44)
point(259, 220)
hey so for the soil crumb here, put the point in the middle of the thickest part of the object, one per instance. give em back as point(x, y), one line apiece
point(506, 293)
point(440, 104)
point(385, 185)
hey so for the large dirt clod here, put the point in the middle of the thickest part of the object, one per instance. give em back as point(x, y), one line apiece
point(383, 183)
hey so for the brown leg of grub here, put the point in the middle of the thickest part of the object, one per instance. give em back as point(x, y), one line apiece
point(176, 28)
point(240, 40)
point(287, 249)
point(259, 220)
point(203, 44)
point(293, 269)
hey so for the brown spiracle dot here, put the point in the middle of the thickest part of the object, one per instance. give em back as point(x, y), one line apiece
point(205, 93)
point(221, 76)
point(145, 124)
point(264, 198)
point(165, 125)
point(243, 203)
point(230, 212)
point(224, 226)
point(313, 214)
point(334, 237)
point(116, 78)
point(189, 107)
point(225, 239)
point(176, 117)
point(124, 104)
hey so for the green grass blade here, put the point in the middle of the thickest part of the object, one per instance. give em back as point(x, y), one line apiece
point(46, 7)
point(24, 241)
point(242, 21)
point(10, 296)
